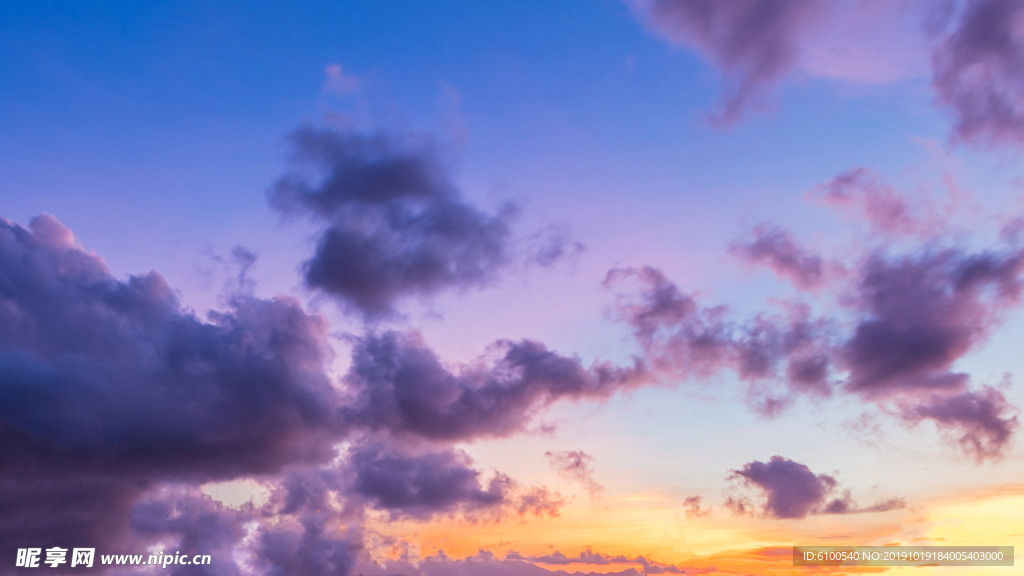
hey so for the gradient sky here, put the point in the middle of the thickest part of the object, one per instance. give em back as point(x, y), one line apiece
point(438, 288)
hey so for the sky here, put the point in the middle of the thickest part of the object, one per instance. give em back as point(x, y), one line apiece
point(510, 288)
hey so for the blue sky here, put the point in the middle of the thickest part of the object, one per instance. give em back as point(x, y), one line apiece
point(155, 132)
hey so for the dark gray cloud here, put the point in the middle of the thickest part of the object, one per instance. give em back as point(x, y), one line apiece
point(400, 386)
point(774, 247)
point(753, 42)
point(791, 490)
point(978, 73)
point(575, 465)
point(394, 224)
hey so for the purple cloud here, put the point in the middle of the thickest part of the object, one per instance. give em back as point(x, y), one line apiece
point(754, 43)
point(681, 337)
point(792, 490)
point(538, 501)
point(978, 73)
point(675, 333)
point(692, 505)
point(109, 386)
point(312, 549)
point(922, 313)
point(860, 190)
point(394, 224)
point(589, 557)
point(421, 486)
point(287, 535)
point(485, 562)
point(846, 505)
point(774, 247)
point(111, 390)
point(976, 63)
point(980, 421)
point(196, 524)
point(906, 320)
point(400, 386)
point(575, 465)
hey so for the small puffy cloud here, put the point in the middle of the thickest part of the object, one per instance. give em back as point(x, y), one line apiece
point(693, 507)
point(774, 247)
point(394, 225)
point(339, 83)
point(905, 319)
point(982, 422)
point(790, 490)
point(575, 465)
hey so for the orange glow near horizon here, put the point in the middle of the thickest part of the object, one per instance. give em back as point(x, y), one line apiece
point(655, 527)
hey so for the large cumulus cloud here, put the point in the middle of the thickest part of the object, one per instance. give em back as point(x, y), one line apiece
point(111, 392)
point(107, 386)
